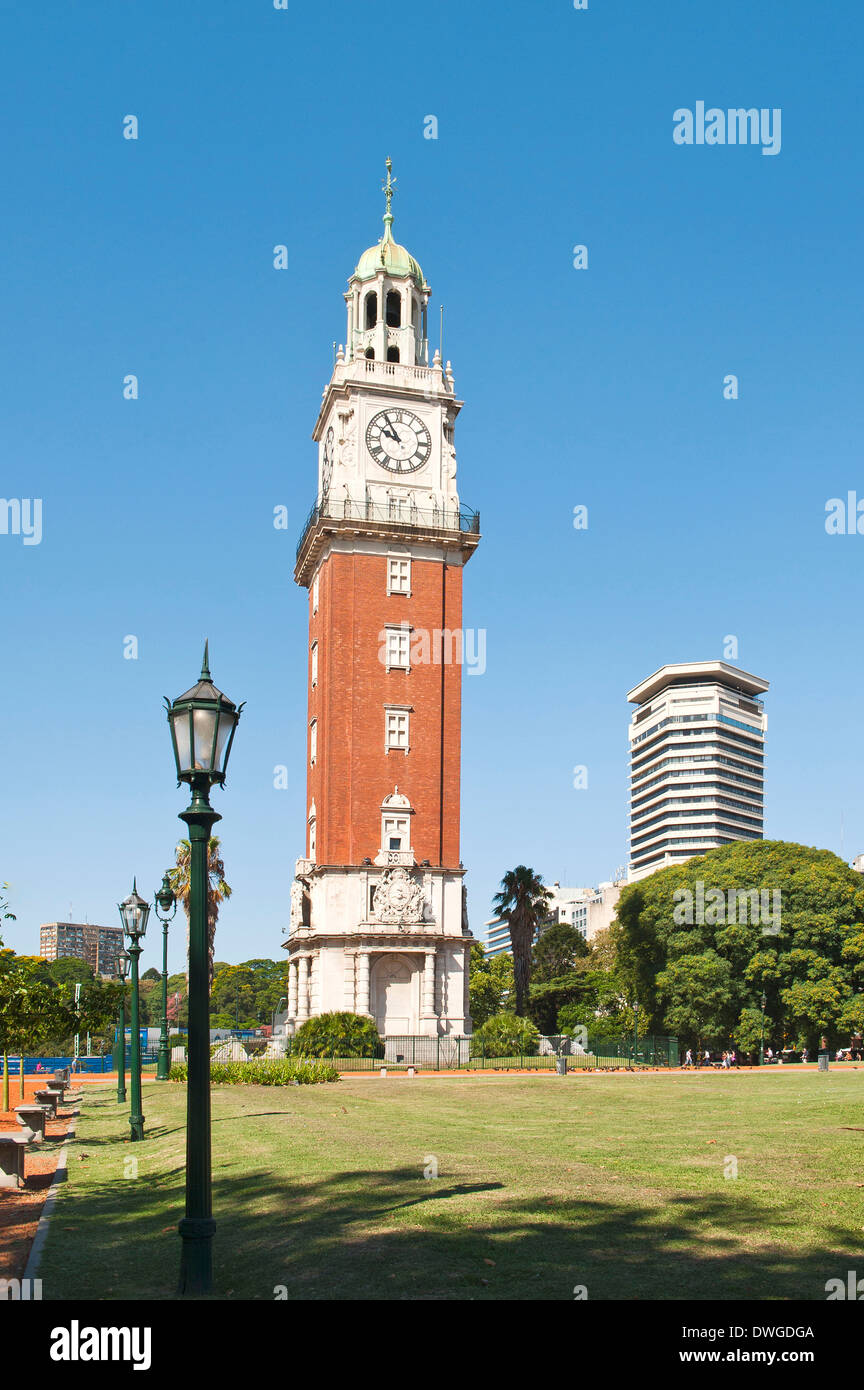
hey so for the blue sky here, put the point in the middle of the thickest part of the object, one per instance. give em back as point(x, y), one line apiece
point(601, 387)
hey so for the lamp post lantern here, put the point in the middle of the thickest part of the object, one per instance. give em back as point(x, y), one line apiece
point(165, 900)
point(134, 912)
point(202, 722)
point(123, 959)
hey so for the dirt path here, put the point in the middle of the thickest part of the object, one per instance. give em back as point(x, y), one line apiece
point(20, 1211)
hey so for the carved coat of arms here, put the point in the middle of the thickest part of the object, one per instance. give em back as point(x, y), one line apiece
point(398, 897)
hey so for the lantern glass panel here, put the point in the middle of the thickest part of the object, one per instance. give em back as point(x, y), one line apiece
point(227, 720)
point(205, 727)
point(181, 724)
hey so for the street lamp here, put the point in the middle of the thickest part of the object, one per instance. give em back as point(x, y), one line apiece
point(123, 959)
point(762, 1034)
point(133, 914)
point(165, 900)
point(202, 723)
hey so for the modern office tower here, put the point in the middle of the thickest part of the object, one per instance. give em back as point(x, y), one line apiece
point(98, 946)
point(697, 749)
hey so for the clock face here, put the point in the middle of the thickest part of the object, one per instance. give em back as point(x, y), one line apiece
point(397, 440)
point(327, 461)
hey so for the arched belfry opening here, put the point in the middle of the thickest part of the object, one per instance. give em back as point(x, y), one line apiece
point(371, 309)
point(393, 309)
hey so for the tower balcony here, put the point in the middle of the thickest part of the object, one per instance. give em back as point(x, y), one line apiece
point(398, 520)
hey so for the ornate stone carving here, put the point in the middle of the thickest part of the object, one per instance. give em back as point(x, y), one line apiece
point(398, 897)
point(345, 439)
point(296, 904)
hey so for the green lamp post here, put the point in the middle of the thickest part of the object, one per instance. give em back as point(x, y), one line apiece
point(202, 722)
point(762, 1034)
point(123, 959)
point(165, 900)
point(134, 912)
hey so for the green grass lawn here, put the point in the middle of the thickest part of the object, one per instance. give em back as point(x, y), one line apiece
point(544, 1183)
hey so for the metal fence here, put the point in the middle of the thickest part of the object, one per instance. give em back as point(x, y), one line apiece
point(465, 1054)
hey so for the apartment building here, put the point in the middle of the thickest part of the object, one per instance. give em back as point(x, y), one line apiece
point(96, 945)
point(697, 754)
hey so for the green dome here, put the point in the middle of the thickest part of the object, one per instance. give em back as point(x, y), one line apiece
point(388, 255)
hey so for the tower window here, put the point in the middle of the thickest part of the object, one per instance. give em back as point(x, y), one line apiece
point(392, 354)
point(312, 840)
point(394, 833)
point(398, 575)
point(314, 663)
point(370, 354)
point(398, 648)
point(371, 308)
point(315, 594)
point(313, 741)
point(396, 730)
point(394, 309)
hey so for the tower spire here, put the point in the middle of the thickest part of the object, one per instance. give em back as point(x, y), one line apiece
point(389, 187)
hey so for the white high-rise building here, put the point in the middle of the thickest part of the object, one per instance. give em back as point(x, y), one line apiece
point(697, 748)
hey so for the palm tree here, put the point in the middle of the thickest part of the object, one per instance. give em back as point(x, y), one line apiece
point(524, 903)
point(218, 891)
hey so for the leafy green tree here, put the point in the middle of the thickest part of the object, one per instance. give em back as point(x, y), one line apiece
point(701, 970)
point(556, 952)
point(338, 1034)
point(490, 983)
point(506, 1035)
point(5, 914)
point(523, 902)
point(698, 997)
point(247, 994)
point(68, 970)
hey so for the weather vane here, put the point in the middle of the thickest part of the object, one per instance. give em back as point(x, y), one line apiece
point(389, 185)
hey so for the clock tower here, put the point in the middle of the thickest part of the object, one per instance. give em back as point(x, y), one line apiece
point(378, 918)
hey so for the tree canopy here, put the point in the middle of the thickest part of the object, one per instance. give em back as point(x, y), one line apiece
point(246, 995)
point(698, 944)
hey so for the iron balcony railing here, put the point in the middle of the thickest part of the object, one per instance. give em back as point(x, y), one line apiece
point(398, 512)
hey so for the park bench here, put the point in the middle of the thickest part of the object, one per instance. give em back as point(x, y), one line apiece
point(50, 1098)
point(12, 1147)
point(32, 1117)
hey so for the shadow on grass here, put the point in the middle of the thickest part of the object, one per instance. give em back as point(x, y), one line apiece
point(394, 1236)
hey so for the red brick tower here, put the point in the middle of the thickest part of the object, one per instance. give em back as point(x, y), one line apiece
point(377, 907)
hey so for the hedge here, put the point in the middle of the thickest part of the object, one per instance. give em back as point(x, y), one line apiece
point(266, 1073)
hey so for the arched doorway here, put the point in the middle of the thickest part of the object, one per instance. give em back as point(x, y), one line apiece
point(394, 995)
